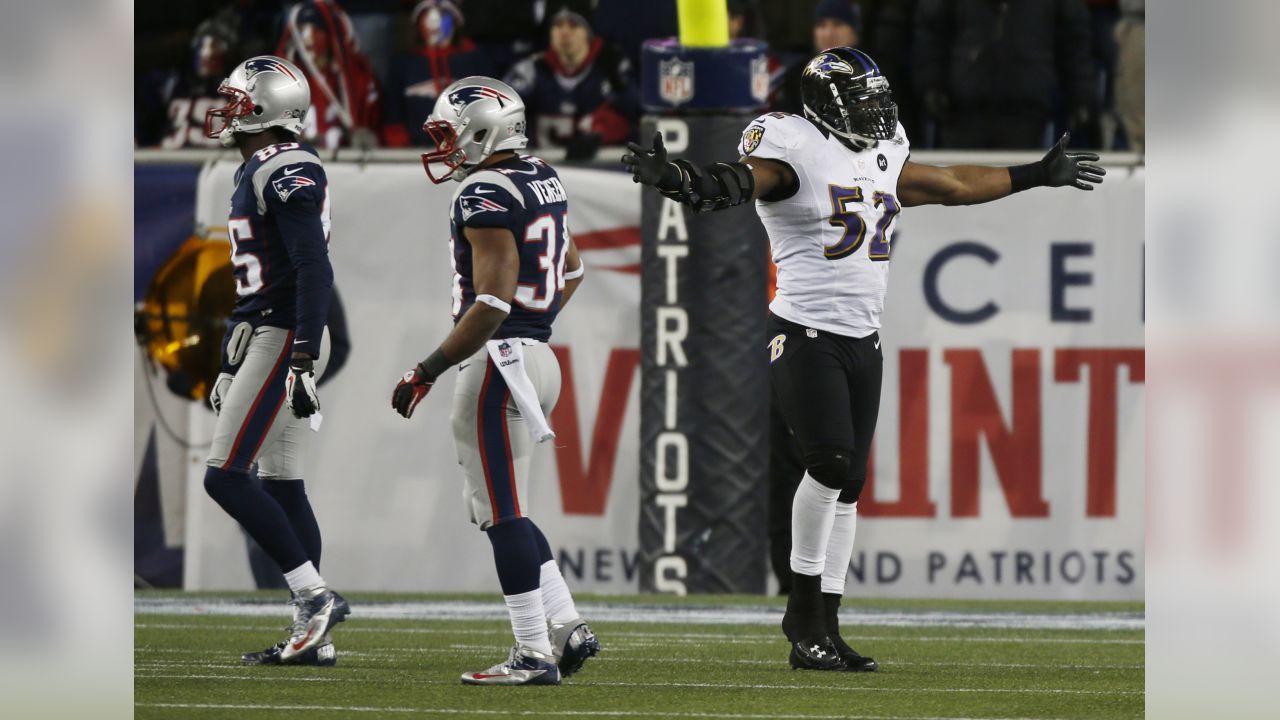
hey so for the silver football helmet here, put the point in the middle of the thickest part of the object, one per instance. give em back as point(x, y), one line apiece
point(473, 118)
point(264, 91)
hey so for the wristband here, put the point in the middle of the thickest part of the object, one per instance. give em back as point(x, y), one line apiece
point(1025, 177)
point(493, 302)
point(576, 272)
point(435, 365)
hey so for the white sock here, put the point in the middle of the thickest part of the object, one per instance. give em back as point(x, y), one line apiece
point(812, 514)
point(840, 548)
point(528, 621)
point(303, 578)
point(556, 600)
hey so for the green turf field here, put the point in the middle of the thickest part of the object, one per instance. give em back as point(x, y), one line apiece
point(400, 656)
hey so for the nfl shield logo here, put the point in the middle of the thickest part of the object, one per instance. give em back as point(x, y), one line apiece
point(675, 80)
point(504, 350)
point(760, 78)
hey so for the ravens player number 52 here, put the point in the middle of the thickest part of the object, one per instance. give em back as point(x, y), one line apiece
point(839, 175)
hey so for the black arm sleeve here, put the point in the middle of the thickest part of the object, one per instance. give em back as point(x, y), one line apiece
point(716, 187)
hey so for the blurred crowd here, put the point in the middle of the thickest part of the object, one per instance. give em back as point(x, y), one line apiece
point(967, 74)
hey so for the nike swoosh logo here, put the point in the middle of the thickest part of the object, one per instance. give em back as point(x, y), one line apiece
point(299, 645)
point(290, 172)
point(299, 342)
point(482, 191)
point(877, 344)
point(486, 676)
point(463, 367)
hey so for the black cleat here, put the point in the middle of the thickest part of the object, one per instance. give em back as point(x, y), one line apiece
point(319, 656)
point(815, 655)
point(852, 660)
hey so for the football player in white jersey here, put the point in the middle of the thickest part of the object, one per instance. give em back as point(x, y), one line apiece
point(828, 187)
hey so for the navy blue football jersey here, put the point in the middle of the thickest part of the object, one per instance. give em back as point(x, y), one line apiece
point(279, 232)
point(522, 194)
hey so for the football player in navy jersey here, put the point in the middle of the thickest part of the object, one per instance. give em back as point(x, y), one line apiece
point(272, 352)
point(515, 268)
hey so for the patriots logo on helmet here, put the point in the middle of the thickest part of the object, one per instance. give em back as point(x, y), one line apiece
point(826, 63)
point(473, 204)
point(287, 184)
point(462, 97)
point(267, 64)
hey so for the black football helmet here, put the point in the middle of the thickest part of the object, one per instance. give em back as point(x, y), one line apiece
point(844, 93)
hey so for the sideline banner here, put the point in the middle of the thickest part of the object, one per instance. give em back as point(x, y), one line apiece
point(1008, 459)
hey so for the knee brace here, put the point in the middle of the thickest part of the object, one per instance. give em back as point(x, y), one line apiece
point(830, 466)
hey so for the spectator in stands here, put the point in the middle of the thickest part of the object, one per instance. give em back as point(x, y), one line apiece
point(991, 71)
point(187, 93)
point(788, 28)
point(443, 54)
point(836, 23)
point(628, 23)
point(346, 102)
point(505, 30)
point(577, 93)
point(1131, 69)
point(889, 39)
point(373, 24)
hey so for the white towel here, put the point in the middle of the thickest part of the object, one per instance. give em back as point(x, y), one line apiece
point(508, 355)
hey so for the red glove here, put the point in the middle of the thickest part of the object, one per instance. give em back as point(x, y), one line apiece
point(410, 390)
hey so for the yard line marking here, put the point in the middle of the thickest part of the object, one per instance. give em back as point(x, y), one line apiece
point(689, 638)
point(259, 678)
point(401, 654)
point(526, 713)
point(712, 686)
point(655, 613)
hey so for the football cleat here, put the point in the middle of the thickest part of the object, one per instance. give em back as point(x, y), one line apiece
point(852, 660)
point(322, 655)
point(524, 666)
point(313, 618)
point(572, 643)
point(818, 654)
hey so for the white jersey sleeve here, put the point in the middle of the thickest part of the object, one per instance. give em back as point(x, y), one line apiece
point(774, 135)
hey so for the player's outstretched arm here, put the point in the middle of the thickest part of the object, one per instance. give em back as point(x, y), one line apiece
point(973, 184)
point(495, 267)
point(715, 187)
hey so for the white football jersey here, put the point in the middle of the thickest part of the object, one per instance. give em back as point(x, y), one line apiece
point(831, 239)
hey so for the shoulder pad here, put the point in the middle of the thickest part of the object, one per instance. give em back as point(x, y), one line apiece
point(489, 181)
point(773, 134)
point(285, 172)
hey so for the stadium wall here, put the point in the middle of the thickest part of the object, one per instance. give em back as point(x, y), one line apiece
point(1009, 456)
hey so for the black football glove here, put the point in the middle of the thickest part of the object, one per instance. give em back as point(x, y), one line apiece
point(300, 388)
point(647, 166)
point(1062, 168)
point(411, 389)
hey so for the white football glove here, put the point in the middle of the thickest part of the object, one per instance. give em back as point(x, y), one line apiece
point(300, 389)
point(219, 390)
